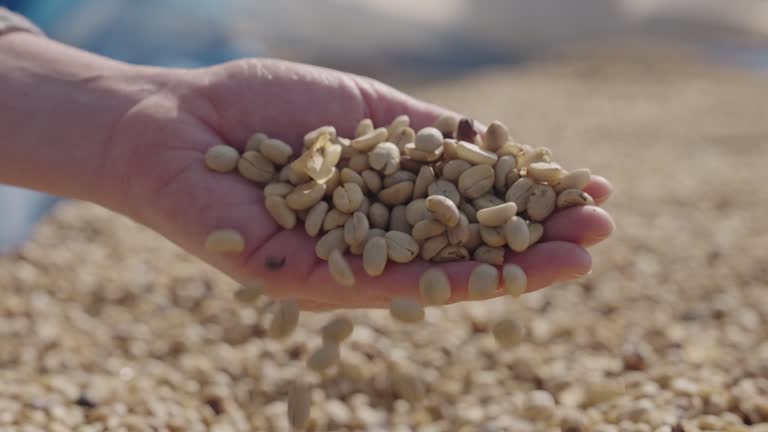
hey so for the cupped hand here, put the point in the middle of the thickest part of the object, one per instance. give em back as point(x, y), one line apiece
point(159, 158)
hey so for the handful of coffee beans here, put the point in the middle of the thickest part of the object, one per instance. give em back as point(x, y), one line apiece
point(394, 195)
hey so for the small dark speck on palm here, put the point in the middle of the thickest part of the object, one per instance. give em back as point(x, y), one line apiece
point(274, 263)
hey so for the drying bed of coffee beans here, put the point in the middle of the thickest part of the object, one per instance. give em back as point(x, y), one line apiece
point(106, 326)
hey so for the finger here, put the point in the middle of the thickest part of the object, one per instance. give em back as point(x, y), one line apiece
point(599, 188)
point(583, 225)
point(316, 306)
point(544, 264)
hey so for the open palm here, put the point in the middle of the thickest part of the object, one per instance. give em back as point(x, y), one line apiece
point(162, 141)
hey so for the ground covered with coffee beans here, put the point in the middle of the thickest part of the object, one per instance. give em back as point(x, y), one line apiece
point(106, 326)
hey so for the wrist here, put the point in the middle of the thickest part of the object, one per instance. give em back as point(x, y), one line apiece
point(60, 109)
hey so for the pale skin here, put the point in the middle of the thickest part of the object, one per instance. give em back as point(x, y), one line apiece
point(133, 138)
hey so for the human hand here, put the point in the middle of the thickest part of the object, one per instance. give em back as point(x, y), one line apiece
point(158, 152)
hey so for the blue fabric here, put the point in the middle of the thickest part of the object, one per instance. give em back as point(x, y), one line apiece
point(14, 5)
point(184, 33)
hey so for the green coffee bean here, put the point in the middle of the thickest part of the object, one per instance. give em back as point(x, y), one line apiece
point(520, 192)
point(495, 136)
point(314, 220)
point(511, 149)
point(349, 176)
point(447, 125)
point(365, 206)
point(402, 137)
point(340, 269)
point(398, 123)
point(535, 230)
point(443, 209)
point(493, 236)
point(489, 255)
point(450, 150)
point(406, 310)
point(378, 215)
point(276, 151)
point(446, 189)
point(306, 195)
point(573, 197)
point(474, 240)
point(250, 292)
point(425, 178)
point(497, 215)
point(399, 193)
point(451, 253)
point(358, 162)
point(453, 169)
point(372, 181)
point(332, 155)
point(222, 158)
point(434, 286)
point(311, 137)
point(225, 241)
point(409, 387)
point(337, 330)
point(332, 183)
point(541, 203)
point(486, 201)
point(364, 127)
point(348, 197)
point(398, 221)
point(459, 233)
point(285, 320)
point(375, 256)
point(255, 167)
point(385, 158)
point(368, 141)
point(400, 176)
point(299, 406)
point(297, 177)
point(483, 282)
point(334, 219)
point(504, 167)
point(412, 152)
point(576, 179)
point(508, 332)
point(416, 211)
point(469, 211)
point(474, 154)
point(516, 234)
point(531, 155)
point(356, 229)
point(277, 207)
point(254, 142)
point(515, 280)
point(331, 241)
point(401, 247)
point(428, 139)
point(278, 189)
point(545, 172)
point(432, 246)
point(426, 229)
point(476, 181)
point(324, 357)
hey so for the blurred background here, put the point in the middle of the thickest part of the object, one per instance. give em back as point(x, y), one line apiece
point(401, 42)
point(104, 323)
